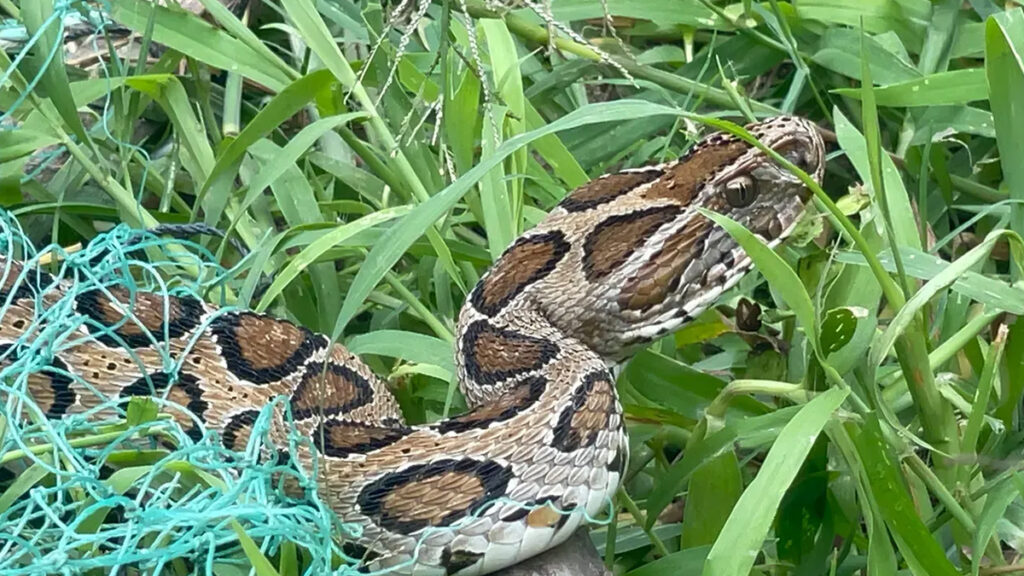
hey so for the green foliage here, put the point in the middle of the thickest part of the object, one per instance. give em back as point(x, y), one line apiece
point(374, 163)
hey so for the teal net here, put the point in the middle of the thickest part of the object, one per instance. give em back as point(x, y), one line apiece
point(116, 487)
point(124, 488)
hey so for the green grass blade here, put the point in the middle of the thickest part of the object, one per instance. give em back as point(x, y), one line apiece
point(188, 34)
point(259, 562)
point(408, 346)
point(675, 477)
point(855, 146)
point(734, 552)
point(889, 489)
point(298, 145)
point(939, 89)
point(1004, 67)
point(48, 58)
point(311, 253)
point(997, 501)
point(779, 274)
point(940, 282)
point(280, 108)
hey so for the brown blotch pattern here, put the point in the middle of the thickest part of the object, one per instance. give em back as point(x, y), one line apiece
point(493, 355)
point(607, 188)
point(661, 275)
point(262, 349)
point(145, 323)
point(613, 240)
point(593, 403)
point(683, 179)
point(506, 406)
point(524, 263)
point(434, 494)
point(340, 439)
point(329, 390)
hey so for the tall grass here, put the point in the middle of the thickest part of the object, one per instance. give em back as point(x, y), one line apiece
point(375, 159)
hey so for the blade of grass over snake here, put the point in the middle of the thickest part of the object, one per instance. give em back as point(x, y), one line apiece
point(259, 562)
point(397, 239)
point(775, 270)
point(410, 346)
point(736, 548)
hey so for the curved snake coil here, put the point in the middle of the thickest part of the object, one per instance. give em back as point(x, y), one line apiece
point(621, 261)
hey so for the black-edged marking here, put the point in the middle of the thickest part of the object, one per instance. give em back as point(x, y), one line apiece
point(16, 288)
point(616, 238)
point(455, 561)
point(337, 389)
point(607, 188)
point(262, 349)
point(434, 494)
point(593, 402)
point(505, 407)
point(49, 386)
point(493, 354)
point(524, 263)
point(238, 430)
point(185, 391)
point(145, 322)
point(340, 439)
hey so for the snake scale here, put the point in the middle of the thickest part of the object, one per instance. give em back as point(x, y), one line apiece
point(621, 261)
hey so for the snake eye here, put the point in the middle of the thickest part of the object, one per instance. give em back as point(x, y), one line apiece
point(741, 191)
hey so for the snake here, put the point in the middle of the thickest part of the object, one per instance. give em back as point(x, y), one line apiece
point(620, 262)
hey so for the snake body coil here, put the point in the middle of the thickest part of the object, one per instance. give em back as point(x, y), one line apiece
point(621, 261)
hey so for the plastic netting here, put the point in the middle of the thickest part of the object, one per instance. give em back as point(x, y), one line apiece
point(105, 491)
point(115, 489)
point(99, 491)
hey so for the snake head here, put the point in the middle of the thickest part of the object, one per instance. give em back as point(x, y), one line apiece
point(627, 257)
point(755, 190)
